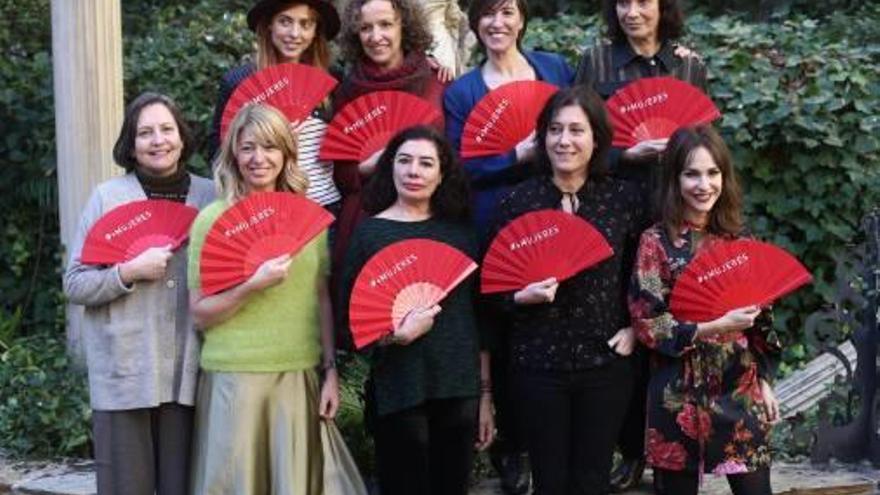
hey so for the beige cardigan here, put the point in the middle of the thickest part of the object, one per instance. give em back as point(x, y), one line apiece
point(141, 347)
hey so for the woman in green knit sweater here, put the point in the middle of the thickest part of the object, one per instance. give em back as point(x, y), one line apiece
point(429, 391)
point(259, 406)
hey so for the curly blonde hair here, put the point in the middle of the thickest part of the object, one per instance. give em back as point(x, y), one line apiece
point(417, 36)
point(269, 127)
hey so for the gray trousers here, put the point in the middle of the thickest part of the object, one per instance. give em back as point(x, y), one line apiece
point(143, 451)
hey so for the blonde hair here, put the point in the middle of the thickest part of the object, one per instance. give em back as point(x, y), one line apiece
point(316, 55)
point(269, 127)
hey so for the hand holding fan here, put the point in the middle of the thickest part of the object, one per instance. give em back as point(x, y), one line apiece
point(367, 123)
point(257, 228)
point(293, 89)
point(539, 245)
point(130, 229)
point(410, 274)
point(734, 274)
point(504, 117)
point(655, 107)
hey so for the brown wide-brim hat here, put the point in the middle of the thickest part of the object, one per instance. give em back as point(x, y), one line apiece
point(267, 8)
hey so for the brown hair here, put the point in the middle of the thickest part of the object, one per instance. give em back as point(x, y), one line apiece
point(317, 54)
point(479, 8)
point(123, 150)
point(592, 105)
point(725, 218)
point(269, 126)
point(416, 36)
point(670, 27)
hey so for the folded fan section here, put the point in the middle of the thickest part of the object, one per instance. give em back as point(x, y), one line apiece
point(733, 274)
point(130, 229)
point(655, 107)
point(257, 228)
point(293, 89)
point(504, 117)
point(539, 245)
point(367, 123)
point(405, 275)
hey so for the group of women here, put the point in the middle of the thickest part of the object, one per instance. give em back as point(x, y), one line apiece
point(233, 392)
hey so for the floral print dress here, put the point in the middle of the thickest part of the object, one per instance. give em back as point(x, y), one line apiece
point(704, 399)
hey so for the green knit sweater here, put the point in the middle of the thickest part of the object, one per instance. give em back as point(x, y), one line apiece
point(277, 329)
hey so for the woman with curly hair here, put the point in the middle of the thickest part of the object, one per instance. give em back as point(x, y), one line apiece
point(260, 400)
point(385, 42)
point(428, 390)
point(292, 31)
point(710, 403)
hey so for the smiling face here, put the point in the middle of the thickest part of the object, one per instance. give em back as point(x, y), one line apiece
point(416, 171)
point(259, 163)
point(292, 31)
point(381, 34)
point(639, 19)
point(157, 143)
point(569, 142)
point(500, 27)
point(700, 182)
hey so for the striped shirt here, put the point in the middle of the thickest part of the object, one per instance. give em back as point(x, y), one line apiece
point(321, 189)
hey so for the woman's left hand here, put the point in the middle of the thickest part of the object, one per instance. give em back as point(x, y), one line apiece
point(486, 428)
point(623, 342)
point(329, 404)
point(444, 74)
point(772, 414)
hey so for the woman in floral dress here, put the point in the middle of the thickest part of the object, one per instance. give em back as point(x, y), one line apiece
point(710, 403)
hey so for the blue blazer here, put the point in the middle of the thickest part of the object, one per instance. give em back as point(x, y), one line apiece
point(492, 176)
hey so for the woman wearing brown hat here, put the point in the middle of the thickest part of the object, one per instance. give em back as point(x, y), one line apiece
point(292, 31)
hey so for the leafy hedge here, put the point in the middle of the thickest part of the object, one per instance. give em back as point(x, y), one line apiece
point(800, 112)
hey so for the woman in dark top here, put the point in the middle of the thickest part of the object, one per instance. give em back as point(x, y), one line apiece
point(710, 403)
point(429, 386)
point(291, 31)
point(568, 340)
point(385, 42)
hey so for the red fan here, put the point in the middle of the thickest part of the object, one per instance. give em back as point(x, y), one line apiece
point(504, 117)
point(655, 107)
point(130, 229)
point(733, 274)
point(414, 273)
point(367, 123)
point(259, 227)
point(539, 245)
point(293, 89)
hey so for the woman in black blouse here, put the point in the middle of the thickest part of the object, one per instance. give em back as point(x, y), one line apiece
point(569, 340)
point(429, 389)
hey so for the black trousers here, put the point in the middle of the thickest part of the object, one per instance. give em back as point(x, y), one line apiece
point(570, 421)
point(631, 441)
point(428, 449)
point(687, 483)
point(143, 451)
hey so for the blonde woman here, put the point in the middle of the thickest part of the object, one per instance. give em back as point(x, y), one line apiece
point(292, 31)
point(260, 403)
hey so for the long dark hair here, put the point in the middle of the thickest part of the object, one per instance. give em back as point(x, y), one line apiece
point(451, 199)
point(123, 150)
point(725, 218)
point(670, 27)
point(592, 105)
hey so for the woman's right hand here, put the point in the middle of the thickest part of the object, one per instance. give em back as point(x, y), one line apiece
point(149, 265)
point(645, 149)
point(415, 324)
point(271, 272)
point(368, 166)
point(735, 320)
point(525, 149)
point(537, 292)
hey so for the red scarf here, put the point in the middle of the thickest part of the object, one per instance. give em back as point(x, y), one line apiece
point(412, 76)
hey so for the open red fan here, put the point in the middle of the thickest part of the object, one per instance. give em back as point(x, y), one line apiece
point(539, 245)
point(504, 117)
point(415, 273)
point(130, 229)
point(733, 274)
point(367, 123)
point(655, 107)
point(257, 228)
point(293, 89)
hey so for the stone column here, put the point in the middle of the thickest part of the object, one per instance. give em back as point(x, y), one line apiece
point(87, 68)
